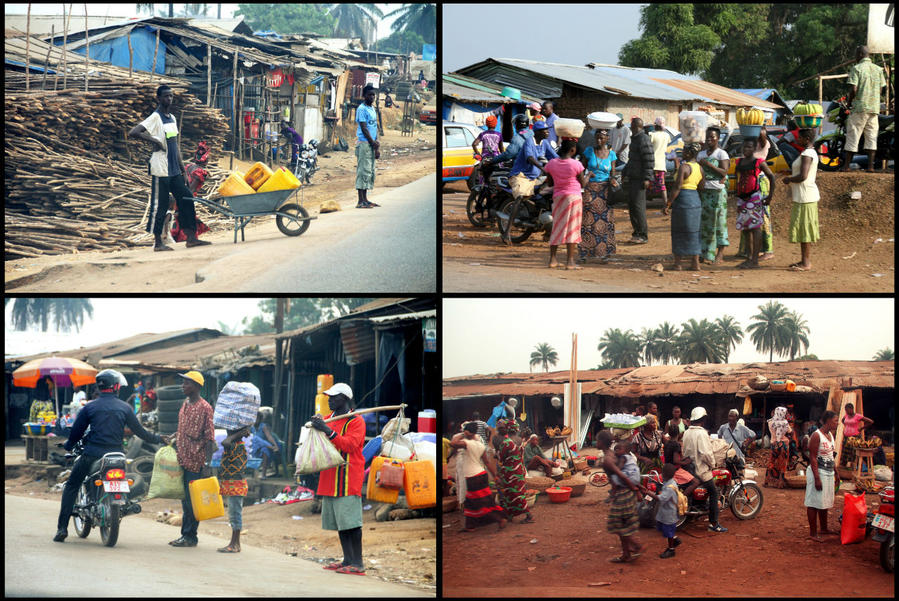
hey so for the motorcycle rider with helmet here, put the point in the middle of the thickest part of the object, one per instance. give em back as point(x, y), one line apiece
point(698, 447)
point(107, 416)
point(519, 137)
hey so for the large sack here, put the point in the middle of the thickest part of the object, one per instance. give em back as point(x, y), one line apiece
point(721, 449)
point(167, 480)
point(318, 454)
point(236, 406)
point(855, 513)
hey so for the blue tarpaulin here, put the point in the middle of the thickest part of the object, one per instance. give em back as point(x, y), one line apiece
point(115, 50)
point(429, 52)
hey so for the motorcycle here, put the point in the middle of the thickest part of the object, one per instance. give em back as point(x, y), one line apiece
point(743, 497)
point(830, 147)
point(883, 523)
point(489, 190)
point(307, 162)
point(517, 219)
point(102, 500)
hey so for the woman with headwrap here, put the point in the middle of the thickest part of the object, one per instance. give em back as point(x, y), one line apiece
point(479, 507)
point(780, 449)
point(686, 212)
point(648, 445)
point(511, 472)
point(598, 221)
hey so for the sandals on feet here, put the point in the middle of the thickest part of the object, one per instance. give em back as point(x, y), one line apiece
point(334, 566)
point(351, 570)
point(621, 559)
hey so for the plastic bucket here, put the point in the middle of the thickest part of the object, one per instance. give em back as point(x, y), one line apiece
point(569, 128)
point(693, 125)
point(750, 131)
point(427, 421)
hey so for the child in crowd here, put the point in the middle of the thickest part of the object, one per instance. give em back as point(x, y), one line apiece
point(491, 141)
point(622, 516)
point(666, 512)
point(627, 463)
point(673, 454)
point(751, 201)
point(233, 483)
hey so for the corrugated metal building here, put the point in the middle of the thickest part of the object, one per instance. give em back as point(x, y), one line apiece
point(469, 100)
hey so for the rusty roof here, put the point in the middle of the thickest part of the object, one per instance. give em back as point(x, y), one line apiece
point(226, 353)
point(695, 378)
point(717, 93)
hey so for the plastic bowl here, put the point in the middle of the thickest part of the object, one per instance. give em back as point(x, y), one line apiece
point(808, 121)
point(36, 429)
point(558, 495)
point(602, 120)
point(750, 131)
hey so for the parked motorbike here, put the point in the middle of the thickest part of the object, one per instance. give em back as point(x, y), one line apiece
point(743, 497)
point(517, 219)
point(830, 147)
point(883, 523)
point(307, 162)
point(489, 190)
point(103, 497)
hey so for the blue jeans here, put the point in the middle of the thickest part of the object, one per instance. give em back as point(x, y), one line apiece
point(235, 512)
point(189, 523)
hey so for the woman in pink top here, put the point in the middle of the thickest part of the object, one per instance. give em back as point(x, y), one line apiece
point(854, 422)
point(568, 177)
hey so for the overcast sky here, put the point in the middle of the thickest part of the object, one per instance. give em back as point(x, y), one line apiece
point(573, 34)
point(130, 10)
point(482, 336)
point(116, 318)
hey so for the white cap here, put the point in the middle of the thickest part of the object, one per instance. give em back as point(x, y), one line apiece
point(697, 413)
point(340, 388)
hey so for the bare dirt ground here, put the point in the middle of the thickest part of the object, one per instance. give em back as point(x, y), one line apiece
point(404, 159)
point(401, 551)
point(769, 556)
point(855, 253)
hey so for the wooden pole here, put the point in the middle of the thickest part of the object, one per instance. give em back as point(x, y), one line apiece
point(65, 52)
point(234, 102)
point(87, 49)
point(27, 48)
point(208, 74)
point(56, 76)
point(155, 54)
point(47, 60)
point(130, 58)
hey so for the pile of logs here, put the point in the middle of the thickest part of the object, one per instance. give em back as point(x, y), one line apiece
point(72, 181)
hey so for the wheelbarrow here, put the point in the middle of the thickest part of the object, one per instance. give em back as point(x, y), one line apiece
point(292, 219)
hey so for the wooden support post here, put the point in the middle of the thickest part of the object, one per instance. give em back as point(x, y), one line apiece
point(155, 54)
point(234, 116)
point(292, 431)
point(87, 49)
point(276, 388)
point(845, 397)
point(47, 60)
point(27, 48)
point(65, 52)
point(130, 58)
point(208, 74)
point(56, 75)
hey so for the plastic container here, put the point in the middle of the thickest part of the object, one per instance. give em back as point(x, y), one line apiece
point(321, 404)
point(558, 495)
point(420, 484)
point(376, 493)
point(323, 381)
point(569, 128)
point(808, 121)
point(257, 175)
point(750, 131)
point(427, 421)
point(234, 185)
point(602, 120)
point(693, 125)
point(36, 429)
point(205, 499)
point(280, 180)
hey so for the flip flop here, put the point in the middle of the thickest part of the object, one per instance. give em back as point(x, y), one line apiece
point(621, 559)
point(333, 566)
point(227, 549)
point(798, 267)
point(351, 570)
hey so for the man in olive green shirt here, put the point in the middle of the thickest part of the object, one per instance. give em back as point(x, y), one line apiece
point(866, 80)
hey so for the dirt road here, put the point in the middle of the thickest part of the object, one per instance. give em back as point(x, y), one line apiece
point(226, 267)
point(769, 556)
point(142, 564)
point(855, 254)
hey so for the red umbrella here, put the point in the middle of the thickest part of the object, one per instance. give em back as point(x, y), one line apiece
point(62, 370)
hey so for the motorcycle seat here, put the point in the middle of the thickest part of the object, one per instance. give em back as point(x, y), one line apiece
point(883, 121)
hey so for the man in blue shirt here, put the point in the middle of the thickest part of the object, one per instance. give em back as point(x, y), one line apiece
point(522, 133)
point(367, 147)
point(107, 416)
point(527, 165)
point(551, 118)
point(735, 433)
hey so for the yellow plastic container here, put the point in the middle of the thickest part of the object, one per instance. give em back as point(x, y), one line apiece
point(280, 180)
point(379, 494)
point(420, 484)
point(205, 499)
point(234, 185)
point(321, 404)
point(257, 175)
point(323, 382)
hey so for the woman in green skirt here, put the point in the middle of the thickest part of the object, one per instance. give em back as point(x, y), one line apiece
point(804, 216)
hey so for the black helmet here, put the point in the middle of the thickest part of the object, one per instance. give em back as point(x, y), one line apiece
point(520, 121)
point(110, 379)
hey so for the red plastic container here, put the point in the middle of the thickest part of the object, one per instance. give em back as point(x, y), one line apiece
point(559, 495)
point(427, 421)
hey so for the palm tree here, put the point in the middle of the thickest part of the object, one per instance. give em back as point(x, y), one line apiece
point(620, 349)
point(885, 354)
point(730, 332)
point(418, 18)
point(356, 20)
point(544, 355)
point(67, 313)
point(797, 331)
point(699, 342)
point(648, 341)
point(768, 333)
point(666, 342)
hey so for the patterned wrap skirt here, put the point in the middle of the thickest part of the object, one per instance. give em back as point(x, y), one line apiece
point(598, 222)
point(567, 212)
point(623, 518)
point(777, 464)
point(510, 479)
point(686, 217)
point(750, 212)
point(480, 508)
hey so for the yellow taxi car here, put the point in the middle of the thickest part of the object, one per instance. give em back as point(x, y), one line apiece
point(458, 161)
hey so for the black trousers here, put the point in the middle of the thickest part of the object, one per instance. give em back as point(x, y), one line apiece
point(713, 500)
point(189, 522)
point(636, 207)
point(160, 189)
point(70, 491)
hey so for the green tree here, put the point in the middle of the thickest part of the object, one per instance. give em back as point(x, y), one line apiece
point(671, 40)
point(700, 342)
point(300, 313)
point(769, 332)
point(545, 355)
point(288, 18)
point(811, 357)
point(648, 342)
point(355, 20)
point(666, 343)
point(418, 18)
point(797, 334)
point(620, 349)
point(401, 42)
point(884, 354)
point(730, 333)
point(233, 330)
point(66, 313)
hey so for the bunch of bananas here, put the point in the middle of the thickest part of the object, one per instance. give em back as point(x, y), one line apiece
point(750, 117)
point(558, 431)
point(858, 443)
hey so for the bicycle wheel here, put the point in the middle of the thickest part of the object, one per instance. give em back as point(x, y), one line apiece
point(289, 227)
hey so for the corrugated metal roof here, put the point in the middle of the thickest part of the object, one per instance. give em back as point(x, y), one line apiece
point(224, 353)
point(358, 338)
point(462, 93)
point(475, 90)
point(404, 316)
point(719, 94)
point(765, 94)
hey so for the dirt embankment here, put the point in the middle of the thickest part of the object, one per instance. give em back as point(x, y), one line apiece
point(855, 253)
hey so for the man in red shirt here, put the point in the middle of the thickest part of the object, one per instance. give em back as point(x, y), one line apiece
point(341, 487)
point(195, 443)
